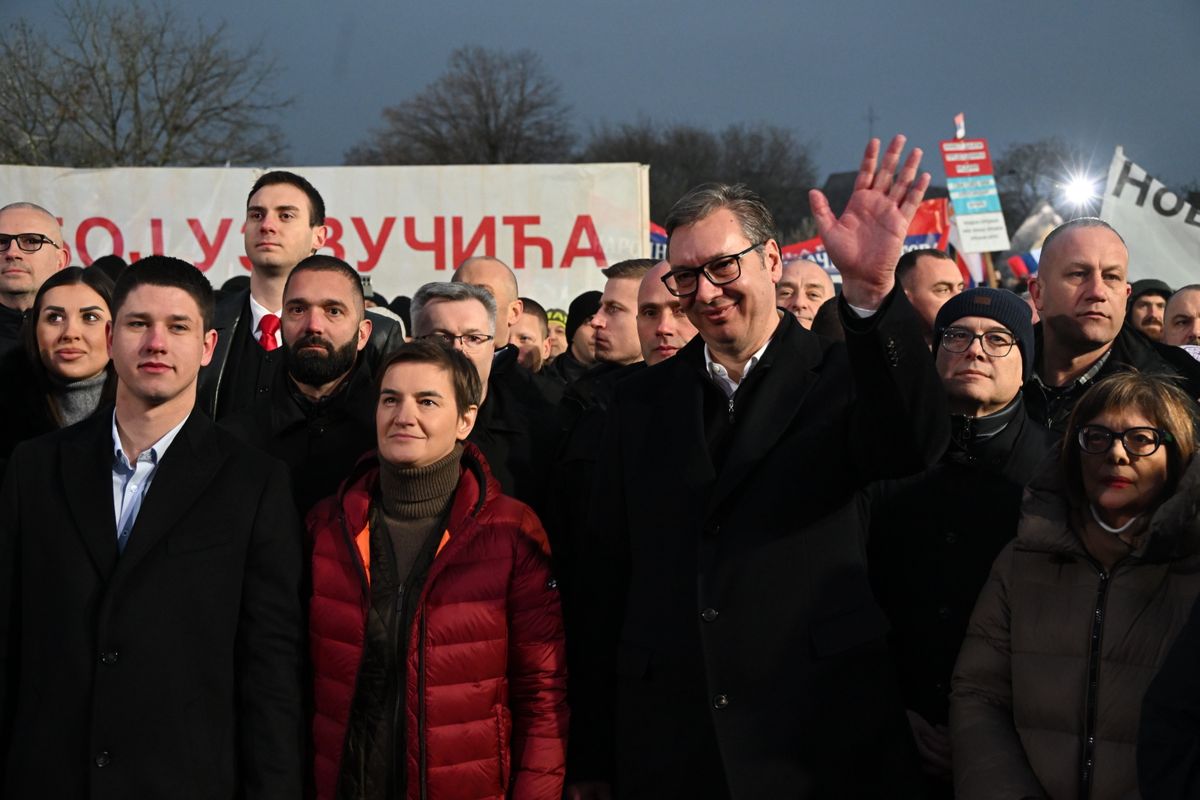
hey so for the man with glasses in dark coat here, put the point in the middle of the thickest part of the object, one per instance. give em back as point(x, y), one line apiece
point(735, 648)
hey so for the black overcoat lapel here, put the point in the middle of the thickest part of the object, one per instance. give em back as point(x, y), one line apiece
point(184, 474)
point(788, 373)
point(86, 471)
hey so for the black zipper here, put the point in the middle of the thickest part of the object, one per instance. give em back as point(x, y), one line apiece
point(421, 707)
point(1086, 772)
point(395, 692)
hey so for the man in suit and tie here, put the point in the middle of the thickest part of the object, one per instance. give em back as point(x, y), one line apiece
point(734, 647)
point(285, 224)
point(150, 609)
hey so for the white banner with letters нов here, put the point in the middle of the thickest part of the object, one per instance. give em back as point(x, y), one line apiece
point(555, 225)
point(1160, 227)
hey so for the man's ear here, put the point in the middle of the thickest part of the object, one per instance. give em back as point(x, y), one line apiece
point(210, 344)
point(364, 331)
point(1035, 292)
point(515, 309)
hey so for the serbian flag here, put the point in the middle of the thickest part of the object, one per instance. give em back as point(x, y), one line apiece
point(658, 241)
point(1024, 265)
point(960, 126)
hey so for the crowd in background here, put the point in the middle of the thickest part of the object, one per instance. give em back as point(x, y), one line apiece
point(723, 529)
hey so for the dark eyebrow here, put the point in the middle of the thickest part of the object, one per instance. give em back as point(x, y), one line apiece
point(92, 308)
point(428, 393)
point(59, 309)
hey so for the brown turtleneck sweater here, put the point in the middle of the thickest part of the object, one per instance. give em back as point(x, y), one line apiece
point(411, 502)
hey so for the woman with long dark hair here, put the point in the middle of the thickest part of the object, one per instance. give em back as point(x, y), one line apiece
point(61, 374)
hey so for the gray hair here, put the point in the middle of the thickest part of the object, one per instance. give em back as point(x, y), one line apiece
point(451, 293)
point(758, 224)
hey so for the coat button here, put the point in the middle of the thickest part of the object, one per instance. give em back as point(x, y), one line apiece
point(944, 612)
point(552, 584)
point(951, 537)
point(721, 701)
point(712, 529)
point(103, 759)
point(109, 657)
point(708, 614)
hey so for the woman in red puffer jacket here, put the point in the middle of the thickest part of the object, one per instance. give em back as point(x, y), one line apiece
point(436, 632)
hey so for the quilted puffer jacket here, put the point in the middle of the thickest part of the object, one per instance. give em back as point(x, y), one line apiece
point(485, 685)
point(1048, 687)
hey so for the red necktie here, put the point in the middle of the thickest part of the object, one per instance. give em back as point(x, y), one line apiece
point(268, 327)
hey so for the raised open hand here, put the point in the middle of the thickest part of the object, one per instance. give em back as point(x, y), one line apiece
point(865, 242)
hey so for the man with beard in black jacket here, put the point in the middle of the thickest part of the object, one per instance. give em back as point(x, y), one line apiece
point(319, 418)
point(1080, 293)
point(934, 536)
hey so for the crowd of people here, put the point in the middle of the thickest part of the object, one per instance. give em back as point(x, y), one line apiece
point(721, 530)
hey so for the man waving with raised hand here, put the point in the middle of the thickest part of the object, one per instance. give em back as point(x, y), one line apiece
point(734, 646)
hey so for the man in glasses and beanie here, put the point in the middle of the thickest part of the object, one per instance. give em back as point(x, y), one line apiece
point(931, 544)
point(734, 646)
point(31, 250)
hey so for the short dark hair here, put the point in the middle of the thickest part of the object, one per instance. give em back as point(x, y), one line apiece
point(536, 309)
point(631, 268)
point(463, 376)
point(758, 224)
point(908, 261)
point(96, 280)
point(1158, 398)
point(324, 263)
point(166, 271)
point(316, 205)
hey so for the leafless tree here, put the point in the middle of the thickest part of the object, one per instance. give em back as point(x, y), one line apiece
point(770, 159)
point(133, 85)
point(490, 107)
point(1030, 173)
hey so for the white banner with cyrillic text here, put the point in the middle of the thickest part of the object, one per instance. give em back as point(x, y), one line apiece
point(555, 225)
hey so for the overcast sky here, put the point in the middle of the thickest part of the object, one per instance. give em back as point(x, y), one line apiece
point(1099, 74)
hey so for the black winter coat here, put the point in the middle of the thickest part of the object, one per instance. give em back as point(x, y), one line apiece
point(1052, 407)
point(172, 669)
point(727, 595)
point(320, 442)
point(934, 537)
point(222, 391)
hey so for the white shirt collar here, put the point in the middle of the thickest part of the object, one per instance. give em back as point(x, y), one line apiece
point(720, 376)
point(156, 450)
point(257, 312)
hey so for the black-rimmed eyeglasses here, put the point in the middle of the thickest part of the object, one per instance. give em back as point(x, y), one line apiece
point(1097, 439)
point(994, 343)
point(469, 341)
point(684, 281)
point(27, 242)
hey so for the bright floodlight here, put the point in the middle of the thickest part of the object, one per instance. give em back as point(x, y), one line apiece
point(1080, 190)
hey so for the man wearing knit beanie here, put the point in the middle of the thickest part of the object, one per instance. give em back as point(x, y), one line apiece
point(581, 337)
point(931, 523)
point(556, 320)
point(1147, 306)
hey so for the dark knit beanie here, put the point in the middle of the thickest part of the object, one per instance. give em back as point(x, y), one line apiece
point(582, 309)
point(1149, 286)
point(998, 304)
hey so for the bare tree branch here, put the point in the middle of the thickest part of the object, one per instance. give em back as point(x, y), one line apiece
point(770, 159)
point(134, 86)
point(490, 107)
